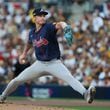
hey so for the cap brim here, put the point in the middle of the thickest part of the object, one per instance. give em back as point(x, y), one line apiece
point(41, 13)
point(44, 13)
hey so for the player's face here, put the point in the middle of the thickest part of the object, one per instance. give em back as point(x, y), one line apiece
point(40, 19)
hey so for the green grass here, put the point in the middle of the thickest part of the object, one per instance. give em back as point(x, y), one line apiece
point(68, 99)
point(87, 108)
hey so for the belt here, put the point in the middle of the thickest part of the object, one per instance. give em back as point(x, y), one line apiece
point(48, 60)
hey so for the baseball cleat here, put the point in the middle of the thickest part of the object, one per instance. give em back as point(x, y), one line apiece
point(2, 99)
point(90, 94)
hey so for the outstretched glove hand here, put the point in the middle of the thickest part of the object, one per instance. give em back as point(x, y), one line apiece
point(68, 34)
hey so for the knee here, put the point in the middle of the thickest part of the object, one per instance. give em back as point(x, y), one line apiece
point(16, 81)
point(69, 77)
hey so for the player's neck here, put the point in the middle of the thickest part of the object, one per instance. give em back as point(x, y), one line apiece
point(38, 27)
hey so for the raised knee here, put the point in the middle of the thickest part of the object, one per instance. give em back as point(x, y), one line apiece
point(16, 81)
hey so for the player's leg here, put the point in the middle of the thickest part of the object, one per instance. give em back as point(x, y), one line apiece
point(60, 71)
point(28, 74)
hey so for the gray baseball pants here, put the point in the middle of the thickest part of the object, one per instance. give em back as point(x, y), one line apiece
point(54, 67)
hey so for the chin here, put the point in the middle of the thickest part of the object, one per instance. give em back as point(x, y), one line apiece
point(41, 23)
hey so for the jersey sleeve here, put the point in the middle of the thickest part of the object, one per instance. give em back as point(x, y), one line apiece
point(52, 28)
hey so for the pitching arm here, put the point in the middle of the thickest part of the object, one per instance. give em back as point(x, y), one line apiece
point(22, 58)
point(27, 48)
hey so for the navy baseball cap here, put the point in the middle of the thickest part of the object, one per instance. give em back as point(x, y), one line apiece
point(39, 11)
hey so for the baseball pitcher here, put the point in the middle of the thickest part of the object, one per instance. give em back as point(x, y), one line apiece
point(43, 39)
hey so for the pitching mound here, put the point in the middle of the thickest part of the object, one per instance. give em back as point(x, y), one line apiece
point(27, 104)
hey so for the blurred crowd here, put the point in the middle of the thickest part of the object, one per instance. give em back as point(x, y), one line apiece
point(88, 58)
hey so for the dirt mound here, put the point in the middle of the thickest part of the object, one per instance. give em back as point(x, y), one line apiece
point(47, 104)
